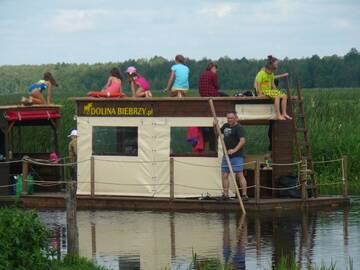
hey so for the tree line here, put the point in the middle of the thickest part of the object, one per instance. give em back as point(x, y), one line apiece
point(234, 74)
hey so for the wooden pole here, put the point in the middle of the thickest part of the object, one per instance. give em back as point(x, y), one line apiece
point(344, 164)
point(172, 190)
point(303, 179)
point(93, 242)
point(258, 237)
point(71, 221)
point(232, 175)
point(25, 173)
point(257, 181)
point(92, 177)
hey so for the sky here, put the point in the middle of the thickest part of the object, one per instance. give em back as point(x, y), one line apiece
point(93, 31)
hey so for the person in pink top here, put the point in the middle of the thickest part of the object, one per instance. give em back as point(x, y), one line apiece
point(139, 86)
point(113, 85)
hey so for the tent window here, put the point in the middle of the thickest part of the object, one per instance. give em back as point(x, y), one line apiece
point(115, 141)
point(184, 142)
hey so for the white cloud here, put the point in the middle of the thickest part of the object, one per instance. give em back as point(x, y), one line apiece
point(220, 10)
point(77, 20)
point(342, 24)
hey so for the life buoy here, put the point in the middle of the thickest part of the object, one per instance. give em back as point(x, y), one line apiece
point(105, 94)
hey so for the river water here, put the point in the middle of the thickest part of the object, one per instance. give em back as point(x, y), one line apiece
point(156, 240)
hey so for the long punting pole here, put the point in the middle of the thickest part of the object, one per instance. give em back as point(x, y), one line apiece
point(226, 155)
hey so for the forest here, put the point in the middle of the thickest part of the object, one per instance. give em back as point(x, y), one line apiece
point(234, 74)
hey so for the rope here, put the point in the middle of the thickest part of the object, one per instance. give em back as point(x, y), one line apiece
point(201, 188)
point(55, 164)
point(287, 188)
point(11, 161)
point(286, 164)
point(210, 166)
point(330, 184)
point(327, 161)
point(5, 186)
point(125, 184)
point(131, 161)
point(44, 183)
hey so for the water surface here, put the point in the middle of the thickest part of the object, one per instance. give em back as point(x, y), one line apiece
point(155, 240)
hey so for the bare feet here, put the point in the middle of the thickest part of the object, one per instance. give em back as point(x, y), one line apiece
point(280, 117)
point(26, 101)
point(287, 116)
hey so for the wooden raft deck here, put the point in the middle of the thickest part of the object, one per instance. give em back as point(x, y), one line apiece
point(57, 201)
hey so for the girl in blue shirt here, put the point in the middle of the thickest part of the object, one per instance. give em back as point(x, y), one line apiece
point(179, 78)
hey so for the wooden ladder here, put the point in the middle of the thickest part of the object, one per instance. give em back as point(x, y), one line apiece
point(301, 136)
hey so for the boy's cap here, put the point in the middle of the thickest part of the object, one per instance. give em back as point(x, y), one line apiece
point(73, 133)
point(131, 70)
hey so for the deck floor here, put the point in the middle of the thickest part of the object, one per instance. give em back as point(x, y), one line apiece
point(57, 201)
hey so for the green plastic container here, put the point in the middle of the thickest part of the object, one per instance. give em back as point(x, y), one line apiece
point(19, 186)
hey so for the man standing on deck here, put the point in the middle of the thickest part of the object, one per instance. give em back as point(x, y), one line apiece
point(73, 154)
point(234, 138)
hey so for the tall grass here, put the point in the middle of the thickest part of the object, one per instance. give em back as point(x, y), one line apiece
point(333, 117)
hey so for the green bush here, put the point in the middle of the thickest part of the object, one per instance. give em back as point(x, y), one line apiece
point(74, 262)
point(24, 241)
point(25, 245)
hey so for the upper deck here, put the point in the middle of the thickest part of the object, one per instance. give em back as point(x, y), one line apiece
point(257, 110)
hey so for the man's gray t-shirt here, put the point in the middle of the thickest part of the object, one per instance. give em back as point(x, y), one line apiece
point(232, 137)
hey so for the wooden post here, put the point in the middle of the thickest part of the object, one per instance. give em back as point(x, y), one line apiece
point(93, 242)
point(232, 175)
point(258, 237)
point(71, 221)
point(172, 235)
point(92, 177)
point(344, 164)
point(303, 179)
point(25, 173)
point(257, 181)
point(172, 189)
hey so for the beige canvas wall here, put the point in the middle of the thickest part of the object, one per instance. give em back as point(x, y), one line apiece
point(147, 174)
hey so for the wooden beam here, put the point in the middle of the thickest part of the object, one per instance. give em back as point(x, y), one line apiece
point(172, 189)
point(344, 165)
point(71, 220)
point(92, 176)
point(25, 173)
point(232, 175)
point(303, 180)
point(257, 181)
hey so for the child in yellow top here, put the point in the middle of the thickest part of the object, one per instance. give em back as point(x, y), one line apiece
point(265, 86)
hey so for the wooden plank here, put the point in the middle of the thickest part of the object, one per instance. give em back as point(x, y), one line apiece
point(137, 203)
point(71, 220)
point(155, 107)
point(175, 99)
point(282, 150)
point(29, 108)
point(345, 176)
point(92, 176)
point(232, 175)
point(25, 173)
point(172, 190)
point(257, 181)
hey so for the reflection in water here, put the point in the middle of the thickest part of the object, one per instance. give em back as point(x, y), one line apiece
point(153, 240)
point(237, 258)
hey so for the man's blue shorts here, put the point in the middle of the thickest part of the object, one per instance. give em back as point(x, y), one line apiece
point(236, 162)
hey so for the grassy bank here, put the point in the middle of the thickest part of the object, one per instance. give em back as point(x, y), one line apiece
point(333, 120)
